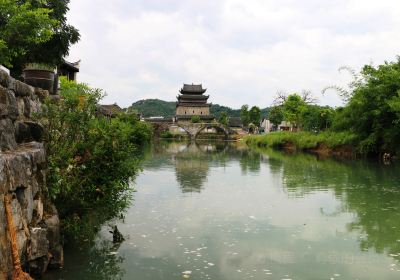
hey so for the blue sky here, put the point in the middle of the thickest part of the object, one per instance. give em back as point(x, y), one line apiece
point(243, 52)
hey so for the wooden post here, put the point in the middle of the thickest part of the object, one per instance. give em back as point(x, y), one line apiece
point(18, 273)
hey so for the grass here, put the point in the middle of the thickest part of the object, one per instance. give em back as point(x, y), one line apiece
point(301, 140)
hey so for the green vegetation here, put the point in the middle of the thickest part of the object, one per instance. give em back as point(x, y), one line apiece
point(370, 121)
point(34, 31)
point(23, 26)
point(90, 158)
point(301, 140)
point(292, 109)
point(244, 115)
point(373, 109)
point(276, 116)
point(223, 119)
point(156, 107)
point(252, 116)
point(255, 115)
point(316, 118)
point(195, 119)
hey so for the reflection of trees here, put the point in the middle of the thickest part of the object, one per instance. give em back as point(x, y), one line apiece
point(193, 160)
point(371, 191)
point(98, 262)
point(250, 161)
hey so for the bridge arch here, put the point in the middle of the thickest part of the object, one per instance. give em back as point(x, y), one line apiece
point(185, 128)
point(218, 127)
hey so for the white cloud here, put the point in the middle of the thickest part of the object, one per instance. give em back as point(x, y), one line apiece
point(242, 51)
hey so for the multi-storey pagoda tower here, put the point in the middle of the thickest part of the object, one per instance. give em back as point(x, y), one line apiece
point(193, 102)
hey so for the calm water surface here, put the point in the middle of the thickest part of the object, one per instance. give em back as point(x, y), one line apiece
point(221, 211)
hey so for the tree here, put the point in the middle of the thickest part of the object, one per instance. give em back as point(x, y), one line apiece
point(276, 116)
point(223, 119)
point(292, 109)
point(195, 119)
point(255, 115)
point(53, 50)
point(306, 95)
point(23, 27)
point(316, 118)
point(373, 108)
point(244, 115)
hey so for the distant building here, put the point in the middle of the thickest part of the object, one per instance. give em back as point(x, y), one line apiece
point(69, 70)
point(235, 122)
point(110, 111)
point(268, 126)
point(193, 102)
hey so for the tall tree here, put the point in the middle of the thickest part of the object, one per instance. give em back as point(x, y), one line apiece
point(54, 50)
point(23, 27)
point(292, 109)
point(276, 116)
point(244, 115)
point(373, 110)
point(255, 115)
point(223, 119)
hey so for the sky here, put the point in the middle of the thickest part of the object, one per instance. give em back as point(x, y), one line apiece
point(242, 51)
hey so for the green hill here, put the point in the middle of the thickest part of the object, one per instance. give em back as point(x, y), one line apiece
point(157, 107)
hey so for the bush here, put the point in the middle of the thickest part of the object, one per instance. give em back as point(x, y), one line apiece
point(91, 159)
point(166, 134)
point(302, 140)
point(195, 119)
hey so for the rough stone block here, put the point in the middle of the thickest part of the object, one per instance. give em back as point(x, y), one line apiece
point(17, 215)
point(19, 169)
point(28, 131)
point(8, 104)
point(38, 209)
point(22, 133)
point(3, 176)
point(35, 107)
point(27, 107)
point(38, 267)
point(5, 79)
point(54, 237)
point(22, 241)
point(25, 199)
point(7, 135)
point(22, 89)
point(41, 93)
point(38, 245)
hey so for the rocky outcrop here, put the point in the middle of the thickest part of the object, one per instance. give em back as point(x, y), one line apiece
point(23, 178)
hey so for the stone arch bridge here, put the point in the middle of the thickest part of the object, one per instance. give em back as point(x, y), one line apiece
point(192, 129)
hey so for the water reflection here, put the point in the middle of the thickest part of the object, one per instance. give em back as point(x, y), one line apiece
point(222, 211)
point(99, 260)
point(369, 190)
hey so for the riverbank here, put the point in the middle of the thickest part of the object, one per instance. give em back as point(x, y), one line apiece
point(336, 144)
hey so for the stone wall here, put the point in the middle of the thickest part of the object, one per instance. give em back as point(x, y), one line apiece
point(23, 177)
point(193, 110)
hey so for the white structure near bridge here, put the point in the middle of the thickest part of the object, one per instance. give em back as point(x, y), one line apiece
point(268, 126)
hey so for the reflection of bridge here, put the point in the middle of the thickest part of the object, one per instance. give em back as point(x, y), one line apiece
point(192, 129)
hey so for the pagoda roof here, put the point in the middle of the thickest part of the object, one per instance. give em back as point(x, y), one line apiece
point(193, 88)
point(193, 104)
point(193, 97)
point(188, 117)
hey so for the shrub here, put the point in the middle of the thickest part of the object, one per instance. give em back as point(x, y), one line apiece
point(195, 119)
point(91, 159)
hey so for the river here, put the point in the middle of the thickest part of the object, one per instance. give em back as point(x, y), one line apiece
point(222, 211)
